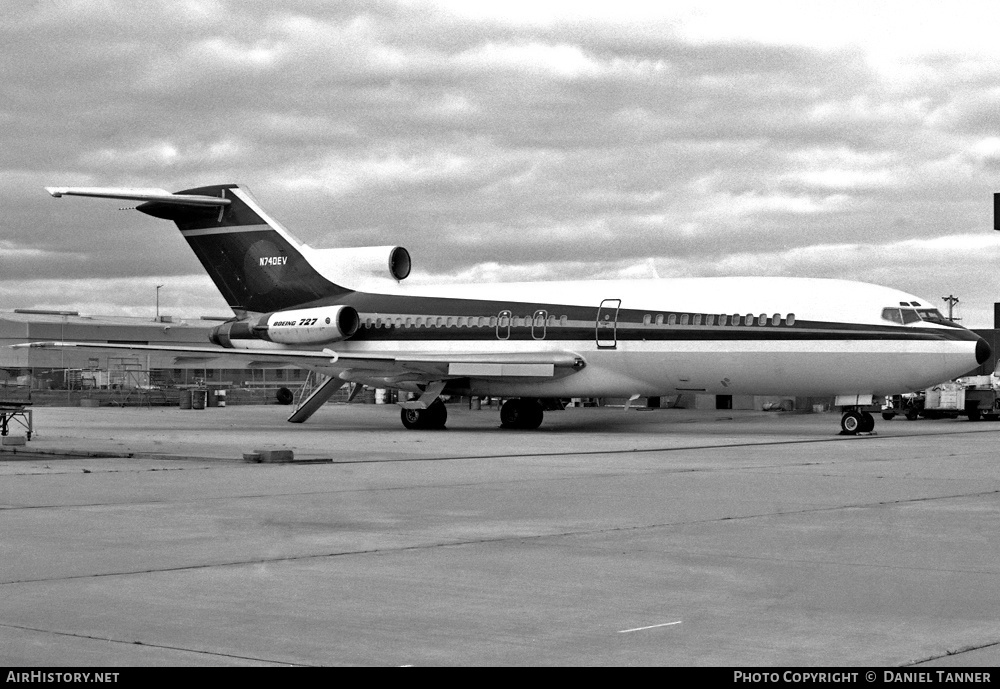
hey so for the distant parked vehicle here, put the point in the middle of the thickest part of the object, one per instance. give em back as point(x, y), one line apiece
point(975, 397)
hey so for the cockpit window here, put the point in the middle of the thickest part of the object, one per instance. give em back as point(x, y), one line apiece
point(892, 315)
point(932, 315)
point(907, 315)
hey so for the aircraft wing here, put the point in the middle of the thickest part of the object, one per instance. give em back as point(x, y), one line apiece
point(377, 367)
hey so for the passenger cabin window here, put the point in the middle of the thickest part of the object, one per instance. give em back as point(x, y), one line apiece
point(790, 319)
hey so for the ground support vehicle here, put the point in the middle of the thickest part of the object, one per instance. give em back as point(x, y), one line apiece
point(909, 405)
point(981, 397)
point(975, 397)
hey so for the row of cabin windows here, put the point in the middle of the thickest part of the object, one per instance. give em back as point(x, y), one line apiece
point(552, 321)
point(464, 321)
point(717, 319)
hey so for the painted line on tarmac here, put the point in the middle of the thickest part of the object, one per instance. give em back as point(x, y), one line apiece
point(652, 626)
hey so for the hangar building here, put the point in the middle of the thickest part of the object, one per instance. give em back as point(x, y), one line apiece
point(82, 369)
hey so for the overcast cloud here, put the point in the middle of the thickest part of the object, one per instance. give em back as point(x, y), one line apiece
point(507, 141)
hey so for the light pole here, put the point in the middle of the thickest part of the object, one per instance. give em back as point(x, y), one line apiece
point(952, 301)
point(158, 303)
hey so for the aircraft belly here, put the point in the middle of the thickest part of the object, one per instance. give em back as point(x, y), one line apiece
point(803, 369)
point(821, 371)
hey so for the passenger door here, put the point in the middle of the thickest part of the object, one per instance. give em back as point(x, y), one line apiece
point(607, 324)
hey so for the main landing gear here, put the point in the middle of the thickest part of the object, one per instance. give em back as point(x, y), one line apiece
point(524, 414)
point(521, 413)
point(433, 417)
point(855, 421)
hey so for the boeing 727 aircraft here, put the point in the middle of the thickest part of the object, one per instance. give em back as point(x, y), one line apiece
point(348, 313)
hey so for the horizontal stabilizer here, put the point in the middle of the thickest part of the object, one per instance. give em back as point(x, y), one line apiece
point(130, 194)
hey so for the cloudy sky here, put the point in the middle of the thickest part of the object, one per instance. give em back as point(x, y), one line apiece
point(507, 140)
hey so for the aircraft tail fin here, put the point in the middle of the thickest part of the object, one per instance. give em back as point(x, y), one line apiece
point(257, 264)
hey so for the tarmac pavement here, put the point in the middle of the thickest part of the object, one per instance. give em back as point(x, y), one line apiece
point(139, 537)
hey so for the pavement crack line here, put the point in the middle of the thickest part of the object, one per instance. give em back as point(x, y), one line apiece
point(491, 540)
point(645, 471)
point(690, 448)
point(952, 653)
point(123, 642)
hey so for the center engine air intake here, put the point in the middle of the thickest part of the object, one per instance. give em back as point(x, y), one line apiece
point(355, 266)
point(314, 326)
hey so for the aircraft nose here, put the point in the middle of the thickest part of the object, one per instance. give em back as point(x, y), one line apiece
point(983, 351)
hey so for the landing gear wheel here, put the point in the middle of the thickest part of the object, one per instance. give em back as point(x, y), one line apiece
point(437, 415)
point(867, 422)
point(525, 414)
point(851, 422)
point(412, 418)
point(434, 417)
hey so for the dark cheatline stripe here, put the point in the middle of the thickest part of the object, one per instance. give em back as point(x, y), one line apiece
point(677, 334)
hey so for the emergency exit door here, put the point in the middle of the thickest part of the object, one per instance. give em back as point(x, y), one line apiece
point(607, 324)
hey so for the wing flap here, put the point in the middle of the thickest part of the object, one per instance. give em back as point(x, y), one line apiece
point(490, 370)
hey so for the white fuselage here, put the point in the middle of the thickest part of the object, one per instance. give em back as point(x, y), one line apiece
point(795, 336)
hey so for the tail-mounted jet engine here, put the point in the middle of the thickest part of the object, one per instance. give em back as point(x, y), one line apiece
point(313, 326)
point(351, 266)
